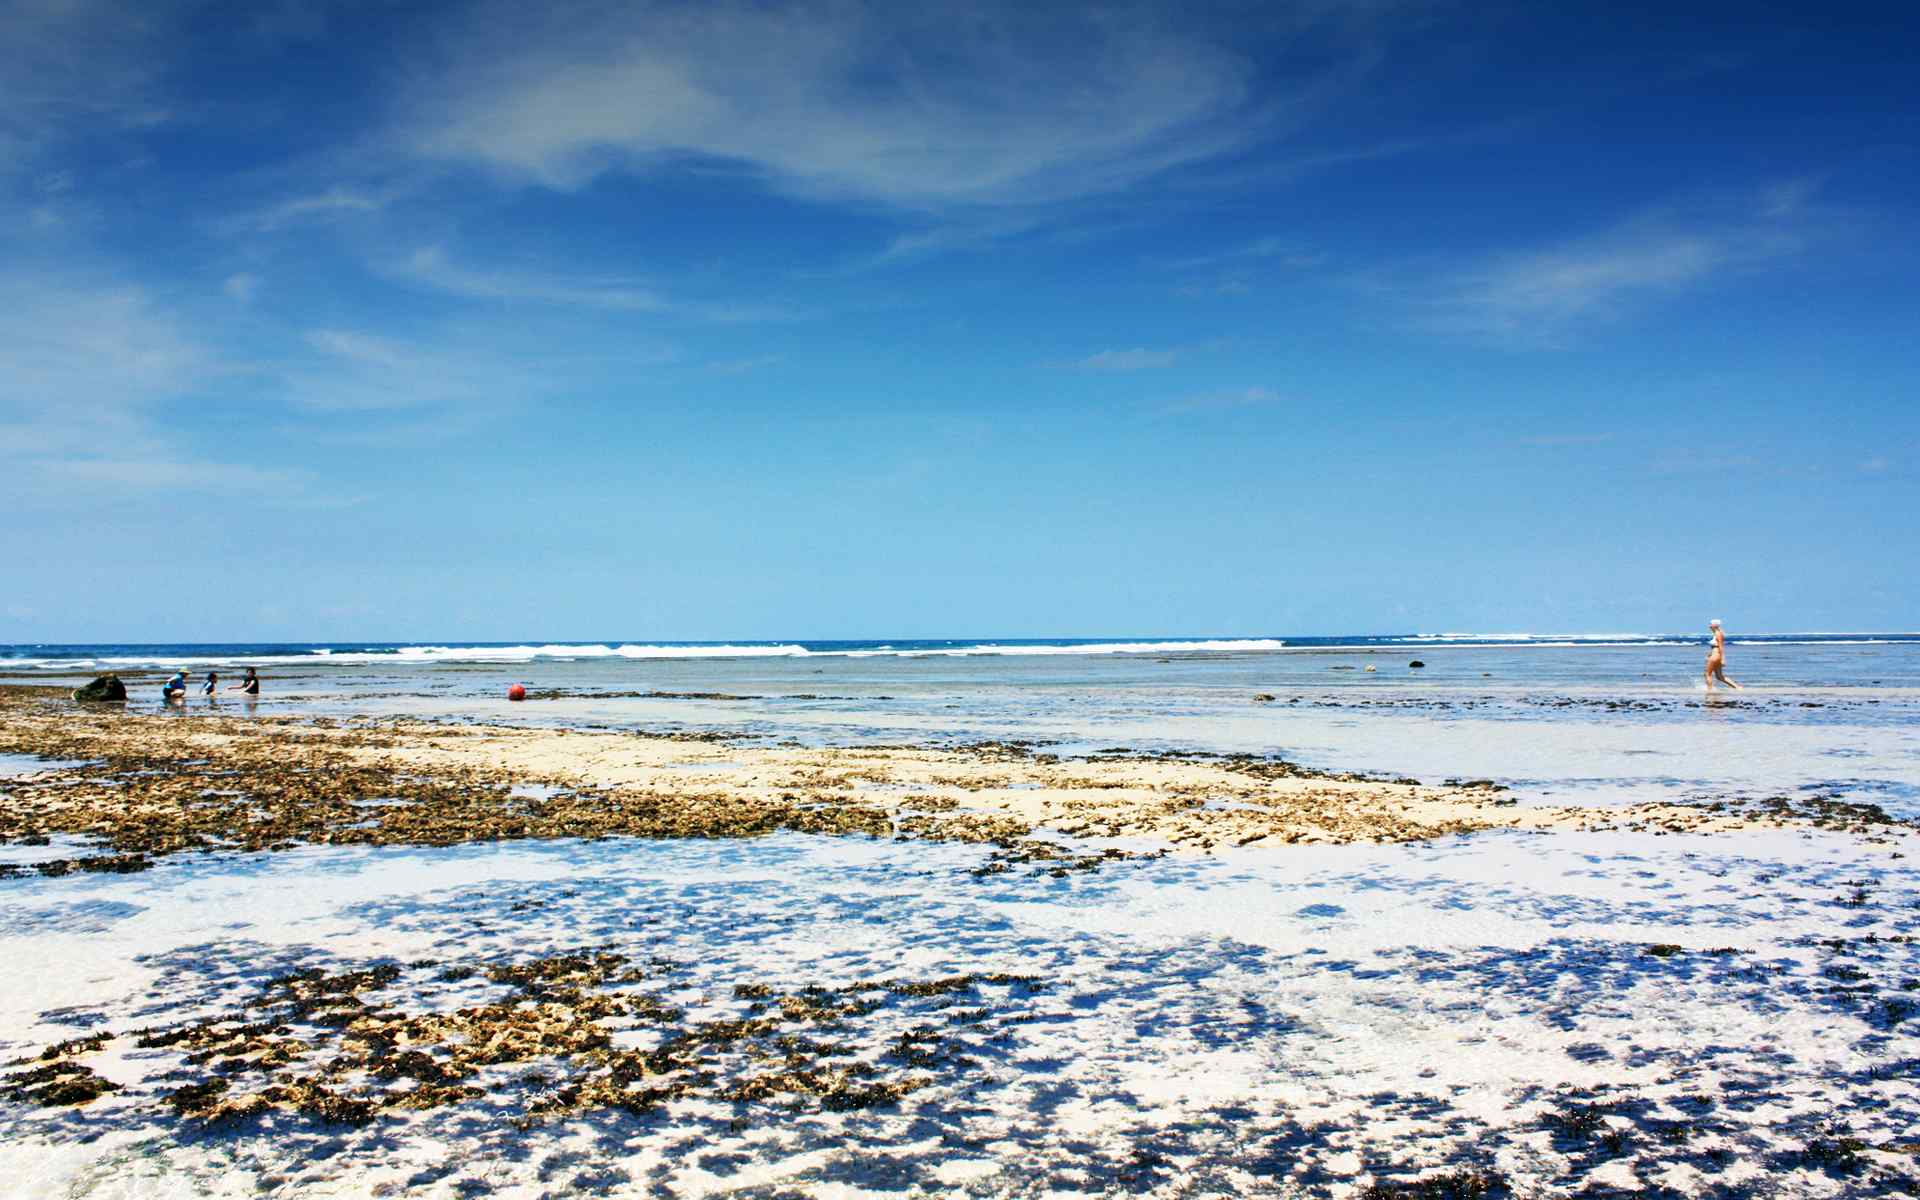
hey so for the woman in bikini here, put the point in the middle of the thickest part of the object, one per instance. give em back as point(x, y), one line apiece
point(1717, 658)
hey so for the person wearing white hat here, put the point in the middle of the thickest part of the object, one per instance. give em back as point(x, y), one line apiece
point(1717, 658)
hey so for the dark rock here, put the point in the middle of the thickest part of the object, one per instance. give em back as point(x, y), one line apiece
point(1416, 664)
point(105, 689)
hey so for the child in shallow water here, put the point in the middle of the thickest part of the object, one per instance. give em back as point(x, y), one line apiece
point(249, 685)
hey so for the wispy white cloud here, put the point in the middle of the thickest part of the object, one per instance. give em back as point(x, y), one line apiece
point(430, 265)
point(166, 474)
point(1775, 460)
point(362, 349)
point(1543, 296)
point(922, 243)
point(1138, 358)
point(972, 230)
point(1567, 439)
point(1556, 285)
point(1236, 270)
point(1789, 198)
point(1225, 400)
point(329, 204)
point(433, 267)
point(84, 362)
point(64, 63)
point(978, 228)
point(1227, 285)
point(356, 371)
point(924, 106)
point(744, 366)
point(241, 286)
point(376, 388)
point(90, 372)
point(1691, 462)
point(1276, 250)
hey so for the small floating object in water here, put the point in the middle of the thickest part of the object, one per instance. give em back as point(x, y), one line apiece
point(1416, 664)
point(516, 692)
point(1371, 667)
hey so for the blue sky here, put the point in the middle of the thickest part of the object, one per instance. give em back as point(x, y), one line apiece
point(572, 321)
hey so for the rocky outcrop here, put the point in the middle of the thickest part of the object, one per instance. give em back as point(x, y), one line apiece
point(105, 689)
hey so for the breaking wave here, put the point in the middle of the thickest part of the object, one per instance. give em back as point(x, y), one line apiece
point(195, 656)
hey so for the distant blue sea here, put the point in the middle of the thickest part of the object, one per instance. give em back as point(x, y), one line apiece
point(72, 656)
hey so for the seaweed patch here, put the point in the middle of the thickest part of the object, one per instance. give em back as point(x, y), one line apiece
point(567, 1032)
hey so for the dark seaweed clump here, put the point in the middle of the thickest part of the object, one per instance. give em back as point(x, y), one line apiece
point(1453, 1185)
point(342, 1048)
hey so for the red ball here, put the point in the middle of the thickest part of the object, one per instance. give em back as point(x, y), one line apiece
point(516, 692)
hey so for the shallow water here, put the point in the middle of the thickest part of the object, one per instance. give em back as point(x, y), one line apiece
point(1596, 723)
point(1254, 1023)
point(17, 766)
point(1264, 1024)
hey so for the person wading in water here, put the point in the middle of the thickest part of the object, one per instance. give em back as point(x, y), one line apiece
point(1717, 658)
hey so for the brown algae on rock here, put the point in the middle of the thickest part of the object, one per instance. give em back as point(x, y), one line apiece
point(349, 1047)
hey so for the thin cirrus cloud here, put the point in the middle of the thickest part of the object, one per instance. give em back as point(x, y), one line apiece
point(1136, 359)
point(331, 203)
point(91, 375)
point(1224, 400)
point(1541, 293)
point(743, 366)
point(1233, 271)
point(1546, 295)
point(152, 473)
point(1280, 251)
point(87, 362)
point(241, 286)
point(922, 107)
point(446, 382)
point(430, 265)
point(77, 341)
point(433, 267)
point(1567, 439)
point(65, 63)
point(923, 243)
point(353, 371)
